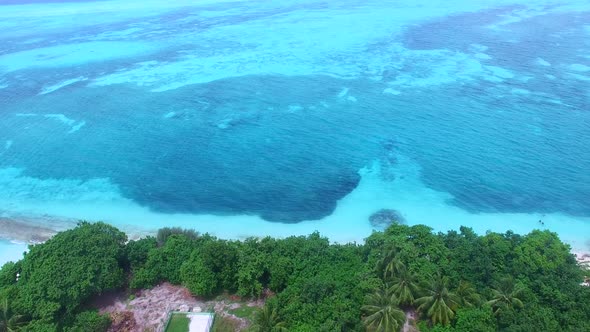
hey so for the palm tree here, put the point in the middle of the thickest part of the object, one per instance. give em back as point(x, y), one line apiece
point(391, 264)
point(467, 295)
point(9, 322)
point(382, 312)
point(506, 296)
point(267, 320)
point(439, 304)
point(404, 286)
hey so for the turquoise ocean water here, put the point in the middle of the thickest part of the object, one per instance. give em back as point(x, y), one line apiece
point(252, 118)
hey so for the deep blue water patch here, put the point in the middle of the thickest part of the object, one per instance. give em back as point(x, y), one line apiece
point(503, 154)
point(555, 38)
point(228, 147)
point(455, 32)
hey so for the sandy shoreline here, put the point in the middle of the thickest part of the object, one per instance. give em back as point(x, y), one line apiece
point(583, 258)
point(24, 231)
point(40, 229)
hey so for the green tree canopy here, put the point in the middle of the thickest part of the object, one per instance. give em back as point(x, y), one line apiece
point(439, 304)
point(404, 285)
point(268, 320)
point(506, 296)
point(382, 312)
point(60, 274)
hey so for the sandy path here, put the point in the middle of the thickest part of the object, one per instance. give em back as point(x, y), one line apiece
point(410, 321)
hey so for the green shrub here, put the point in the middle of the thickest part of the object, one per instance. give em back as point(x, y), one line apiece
point(164, 233)
point(90, 321)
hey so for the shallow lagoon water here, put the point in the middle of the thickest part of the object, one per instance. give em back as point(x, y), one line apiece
point(252, 119)
point(11, 251)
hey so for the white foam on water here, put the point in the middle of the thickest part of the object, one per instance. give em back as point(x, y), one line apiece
point(579, 77)
point(315, 47)
point(392, 91)
point(169, 115)
point(500, 72)
point(433, 67)
point(67, 55)
point(578, 67)
point(542, 62)
point(74, 127)
point(117, 34)
point(111, 7)
point(186, 70)
point(77, 127)
point(438, 67)
point(57, 86)
point(343, 93)
point(518, 91)
point(478, 48)
point(7, 145)
point(32, 40)
point(482, 56)
point(519, 15)
point(295, 108)
point(225, 123)
point(62, 118)
point(55, 17)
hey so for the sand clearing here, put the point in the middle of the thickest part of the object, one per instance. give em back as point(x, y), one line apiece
point(149, 309)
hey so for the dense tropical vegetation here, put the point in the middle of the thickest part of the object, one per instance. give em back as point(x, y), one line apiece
point(458, 281)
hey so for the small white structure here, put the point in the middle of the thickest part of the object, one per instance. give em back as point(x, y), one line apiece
point(200, 322)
